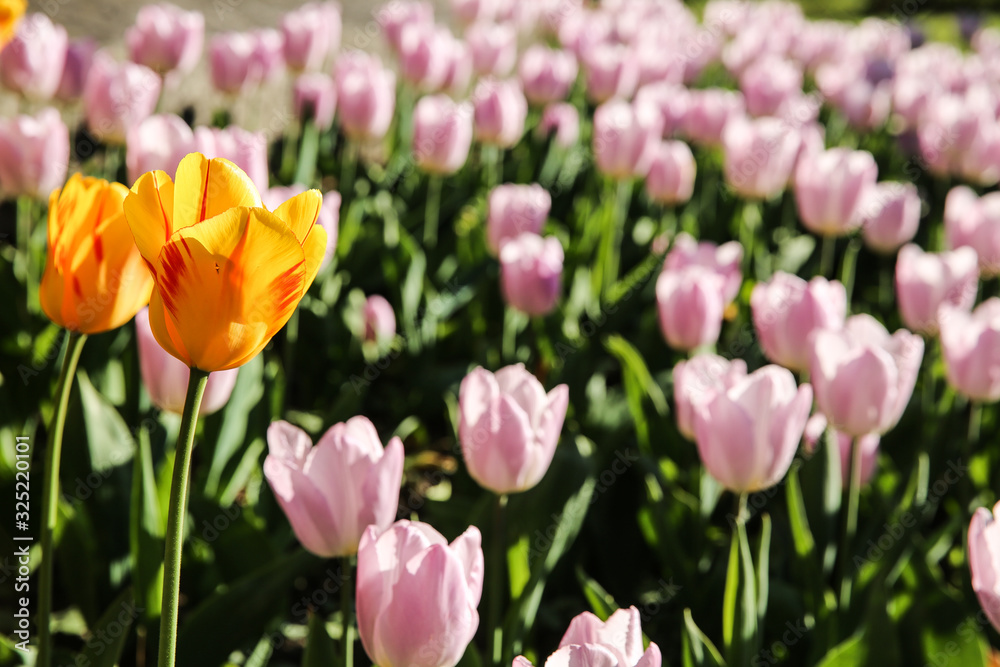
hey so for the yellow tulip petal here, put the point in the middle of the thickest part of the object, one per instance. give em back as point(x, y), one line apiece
point(301, 212)
point(314, 249)
point(229, 284)
point(164, 330)
point(149, 209)
point(205, 188)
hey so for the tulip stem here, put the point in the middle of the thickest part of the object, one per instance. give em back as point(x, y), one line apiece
point(22, 261)
point(50, 494)
point(975, 420)
point(174, 538)
point(749, 221)
point(495, 172)
point(851, 523)
point(347, 610)
point(494, 629)
point(612, 241)
point(432, 211)
point(847, 265)
point(308, 151)
point(348, 171)
point(826, 256)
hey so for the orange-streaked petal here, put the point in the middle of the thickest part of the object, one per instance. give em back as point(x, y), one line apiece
point(149, 209)
point(205, 188)
point(164, 330)
point(229, 284)
point(314, 249)
point(301, 212)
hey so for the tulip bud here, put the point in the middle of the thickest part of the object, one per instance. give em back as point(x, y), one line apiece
point(547, 74)
point(118, 96)
point(509, 427)
point(166, 378)
point(829, 187)
point(591, 642)
point(563, 119)
point(34, 154)
point(494, 48)
point(723, 260)
point(759, 156)
point(315, 98)
point(366, 95)
point(158, 142)
point(926, 281)
point(500, 112)
point(970, 344)
point(514, 209)
point(890, 215)
point(379, 320)
point(709, 112)
point(984, 561)
point(787, 310)
point(863, 377)
point(697, 380)
point(79, 56)
point(311, 33)
point(625, 138)
point(816, 430)
point(531, 273)
point(748, 434)
point(417, 595)
point(166, 38)
point(32, 62)
point(338, 490)
point(671, 174)
point(442, 134)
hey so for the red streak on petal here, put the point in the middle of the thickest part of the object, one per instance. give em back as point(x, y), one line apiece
point(204, 194)
point(286, 288)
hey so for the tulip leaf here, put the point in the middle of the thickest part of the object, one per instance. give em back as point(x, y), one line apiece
point(108, 438)
point(107, 638)
point(246, 396)
point(699, 651)
point(321, 651)
point(601, 602)
point(794, 252)
point(146, 533)
point(518, 570)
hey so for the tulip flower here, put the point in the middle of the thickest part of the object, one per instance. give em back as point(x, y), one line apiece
point(458, 65)
point(563, 119)
point(670, 180)
point(379, 320)
point(393, 17)
point(815, 431)
point(268, 53)
point(334, 491)
point(591, 642)
point(748, 434)
point(494, 48)
point(469, 11)
point(228, 272)
point(118, 96)
point(709, 112)
point(611, 71)
point(984, 561)
point(166, 378)
point(970, 344)
point(34, 154)
point(11, 12)
point(787, 310)
point(890, 215)
point(723, 260)
point(442, 134)
point(926, 281)
point(500, 112)
point(531, 273)
point(514, 209)
point(366, 95)
point(417, 594)
point(315, 98)
point(509, 427)
point(697, 380)
point(247, 150)
point(166, 38)
point(32, 63)
point(546, 74)
point(625, 138)
point(158, 142)
point(76, 67)
point(863, 377)
point(759, 156)
point(232, 62)
point(425, 55)
point(672, 101)
point(768, 83)
point(691, 306)
point(829, 187)
point(311, 33)
point(974, 222)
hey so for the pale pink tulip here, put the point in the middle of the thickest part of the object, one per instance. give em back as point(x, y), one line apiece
point(232, 62)
point(442, 134)
point(32, 62)
point(970, 344)
point(926, 281)
point(723, 260)
point(393, 17)
point(611, 71)
point(494, 48)
point(759, 156)
point(671, 175)
point(379, 319)
point(34, 154)
point(709, 112)
point(247, 150)
point(366, 95)
point(158, 142)
point(547, 74)
point(974, 222)
point(500, 112)
point(118, 96)
point(890, 215)
point(829, 187)
point(563, 119)
point(314, 98)
point(984, 561)
point(815, 432)
point(311, 33)
point(514, 209)
point(768, 83)
point(625, 138)
point(691, 306)
point(79, 56)
point(531, 273)
point(166, 38)
point(697, 380)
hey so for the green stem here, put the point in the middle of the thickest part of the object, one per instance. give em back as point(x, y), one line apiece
point(826, 256)
point(112, 161)
point(174, 538)
point(433, 211)
point(22, 261)
point(50, 494)
point(347, 610)
point(851, 523)
point(308, 152)
point(847, 268)
point(975, 420)
point(494, 629)
point(749, 221)
point(612, 246)
point(348, 171)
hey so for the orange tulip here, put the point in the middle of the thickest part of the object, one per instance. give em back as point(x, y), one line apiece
point(95, 279)
point(11, 12)
point(228, 272)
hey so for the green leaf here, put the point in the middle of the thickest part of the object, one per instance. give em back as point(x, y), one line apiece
point(852, 652)
point(729, 595)
point(701, 652)
point(107, 638)
point(601, 602)
point(321, 651)
point(232, 434)
point(763, 566)
point(108, 438)
point(518, 568)
point(794, 252)
point(146, 533)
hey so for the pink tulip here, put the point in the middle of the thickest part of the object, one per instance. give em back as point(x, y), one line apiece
point(625, 138)
point(980, 163)
point(697, 380)
point(315, 98)
point(268, 53)
point(279, 194)
point(709, 112)
point(79, 56)
point(591, 642)
point(984, 561)
point(691, 307)
point(311, 32)
point(563, 119)
point(379, 319)
point(658, 64)
point(547, 74)
point(531, 273)
point(158, 142)
point(926, 281)
point(611, 71)
point(863, 377)
point(344, 487)
point(442, 134)
point(118, 96)
point(366, 94)
point(166, 378)
point(671, 99)
point(32, 62)
point(494, 48)
point(816, 430)
point(858, 90)
point(34, 154)
point(458, 72)
point(890, 215)
point(748, 434)
point(787, 310)
point(500, 112)
point(759, 156)
point(970, 343)
point(166, 38)
point(417, 595)
point(768, 83)
point(425, 55)
point(671, 175)
point(509, 427)
point(974, 222)
point(247, 150)
point(514, 209)
point(723, 260)
point(393, 17)
point(329, 220)
point(232, 62)
point(829, 187)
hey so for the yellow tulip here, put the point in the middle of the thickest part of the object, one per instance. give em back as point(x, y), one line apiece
point(11, 12)
point(228, 272)
point(95, 279)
